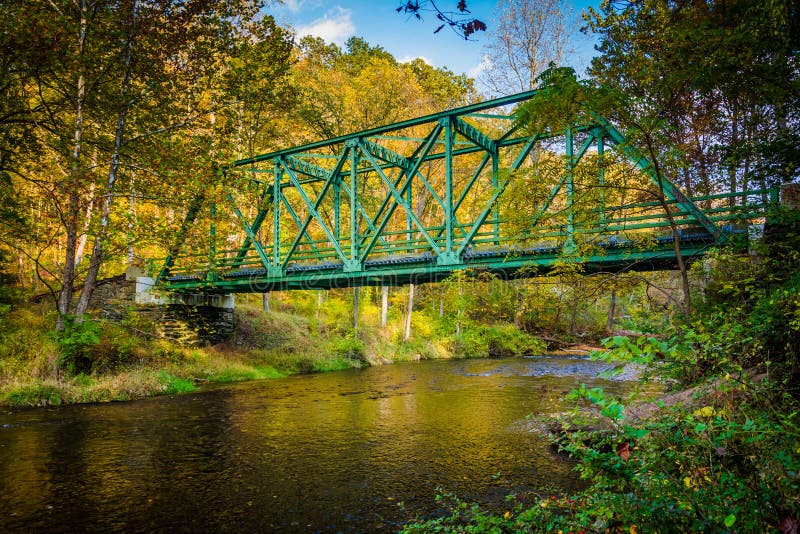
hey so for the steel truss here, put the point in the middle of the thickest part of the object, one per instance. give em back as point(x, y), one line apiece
point(312, 218)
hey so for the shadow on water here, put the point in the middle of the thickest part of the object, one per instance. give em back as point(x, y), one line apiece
point(345, 451)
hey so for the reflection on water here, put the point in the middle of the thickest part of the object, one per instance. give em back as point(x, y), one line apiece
point(346, 451)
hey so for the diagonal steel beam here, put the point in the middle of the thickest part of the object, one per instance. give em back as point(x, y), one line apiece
point(265, 201)
point(498, 191)
point(314, 206)
point(298, 222)
point(390, 156)
point(559, 184)
point(619, 142)
point(311, 169)
point(398, 198)
point(250, 234)
point(475, 135)
point(418, 158)
point(363, 212)
point(188, 220)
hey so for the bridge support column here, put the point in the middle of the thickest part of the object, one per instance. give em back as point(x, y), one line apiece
point(187, 318)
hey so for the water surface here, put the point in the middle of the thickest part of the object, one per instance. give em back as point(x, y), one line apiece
point(361, 450)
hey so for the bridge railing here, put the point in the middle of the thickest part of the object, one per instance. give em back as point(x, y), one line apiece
point(637, 226)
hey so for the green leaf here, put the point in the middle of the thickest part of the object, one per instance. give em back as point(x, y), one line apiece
point(730, 520)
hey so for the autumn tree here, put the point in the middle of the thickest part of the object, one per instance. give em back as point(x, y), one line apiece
point(717, 82)
point(525, 38)
point(114, 85)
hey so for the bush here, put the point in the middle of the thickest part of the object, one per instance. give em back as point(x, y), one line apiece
point(349, 347)
point(33, 395)
point(77, 342)
point(173, 384)
point(729, 463)
point(495, 341)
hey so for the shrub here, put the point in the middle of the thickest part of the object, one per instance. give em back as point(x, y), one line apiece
point(349, 347)
point(480, 341)
point(77, 342)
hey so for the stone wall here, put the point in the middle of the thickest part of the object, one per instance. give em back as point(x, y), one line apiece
point(186, 324)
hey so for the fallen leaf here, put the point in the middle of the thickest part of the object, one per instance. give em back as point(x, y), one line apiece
point(624, 450)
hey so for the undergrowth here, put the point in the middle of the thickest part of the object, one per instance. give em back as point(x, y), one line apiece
point(720, 456)
point(99, 361)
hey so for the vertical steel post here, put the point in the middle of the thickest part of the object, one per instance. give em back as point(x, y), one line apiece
point(277, 194)
point(495, 185)
point(448, 201)
point(448, 256)
point(410, 201)
point(355, 237)
point(601, 177)
point(570, 153)
point(337, 204)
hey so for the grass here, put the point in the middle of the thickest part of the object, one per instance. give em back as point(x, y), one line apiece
point(125, 364)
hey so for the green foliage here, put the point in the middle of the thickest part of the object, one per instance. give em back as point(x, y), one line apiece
point(33, 395)
point(693, 468)
point(77, 342)
point(238, 374)
point(732, 462)
point(174, 385)
point(494, 341)
point(750, 314)
point(642, 350)
point(349, 347)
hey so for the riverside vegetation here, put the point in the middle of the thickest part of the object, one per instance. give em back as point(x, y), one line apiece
point(304, 332)
point(721, 455)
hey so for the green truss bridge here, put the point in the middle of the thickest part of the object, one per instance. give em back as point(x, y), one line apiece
point(465, 189)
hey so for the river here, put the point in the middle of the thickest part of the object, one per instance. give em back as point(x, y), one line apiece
point(352, 451)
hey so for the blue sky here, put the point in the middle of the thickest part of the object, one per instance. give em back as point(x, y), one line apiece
point(405, 37)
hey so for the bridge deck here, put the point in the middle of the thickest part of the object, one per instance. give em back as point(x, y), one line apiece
point(610, 255)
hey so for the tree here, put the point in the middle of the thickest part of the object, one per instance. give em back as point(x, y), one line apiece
point(719, 81)
point(460, 21)
point(528, 35)
point(123, 79)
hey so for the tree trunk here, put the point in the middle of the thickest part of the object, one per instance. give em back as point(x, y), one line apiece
point(409, 311)
point(320, 300)
point(108, 198)
point(86, 226)
point(131, 221)
point(265, 301)
point(384, 305)
point(612, 310)
point(356, 292)
point(518, 303)
point(676, 242)
point(76, 172)
point(460, 308)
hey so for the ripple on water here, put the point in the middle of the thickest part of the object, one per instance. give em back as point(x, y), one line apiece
point(360, 450)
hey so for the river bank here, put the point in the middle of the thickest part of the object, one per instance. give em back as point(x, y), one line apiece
point(106, 361)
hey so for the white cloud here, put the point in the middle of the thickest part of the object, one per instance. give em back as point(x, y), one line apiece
point(480, 68)
point(294, 6)
point(335, 27)
point(409, 59)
